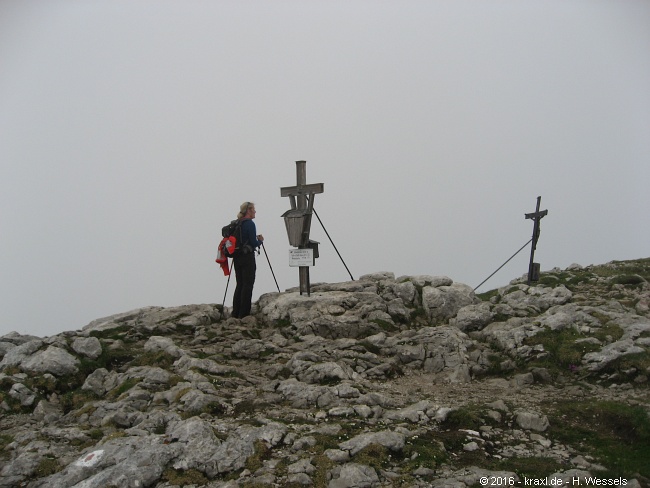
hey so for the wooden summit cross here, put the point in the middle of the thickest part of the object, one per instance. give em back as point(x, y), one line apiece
point(533, 268)
point(301, 197)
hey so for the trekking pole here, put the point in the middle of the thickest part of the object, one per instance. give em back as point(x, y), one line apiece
point(223, 304)
point(269, 261)
point(328, 236)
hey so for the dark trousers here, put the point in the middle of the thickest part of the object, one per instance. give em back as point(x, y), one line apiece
point(245, 268)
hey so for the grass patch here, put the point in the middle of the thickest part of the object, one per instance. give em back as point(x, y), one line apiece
point(214, 409)
point(426, 451)
point(370, 347)
point(488, 295)
point(616, 434)
point(419, 316)
point(628, 281)
point(261, 454)
point(47, 466)
point(154, 358)
point(601, 317)
point(374, 455)
point(435, 449)
point(123, 388)
point(41, 384)
point(73, 400)
point(494, 367)
point(5, 440)
point(563, 353)
point(282, 323)
point(110, 359)
point(467, 417)
point(88, 409)
point(116, 434)
point(384, 325)
point(639, 267)
point(182, 477)
point(323, 465)
point(116, 333)
point(614, 331)
point(96, 434)
point(15, 406)
point(325, 442)
point(267, 352)
point(329, 381)
point(249, 407)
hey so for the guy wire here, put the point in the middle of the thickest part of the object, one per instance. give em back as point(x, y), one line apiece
point(522, 247)
point(328, 236)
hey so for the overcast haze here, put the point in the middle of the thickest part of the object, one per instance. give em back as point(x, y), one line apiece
point(130, 133)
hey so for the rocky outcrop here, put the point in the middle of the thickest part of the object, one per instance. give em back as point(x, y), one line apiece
point(384, 381)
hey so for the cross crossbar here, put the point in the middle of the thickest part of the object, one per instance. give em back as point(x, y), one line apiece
point(536, 215)
point(294, 191)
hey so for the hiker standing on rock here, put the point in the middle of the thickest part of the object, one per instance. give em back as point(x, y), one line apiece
point(244, 261)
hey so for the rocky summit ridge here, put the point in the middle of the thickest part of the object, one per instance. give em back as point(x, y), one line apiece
point(412, 381)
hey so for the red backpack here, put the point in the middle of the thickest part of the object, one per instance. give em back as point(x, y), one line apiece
point(228, 245)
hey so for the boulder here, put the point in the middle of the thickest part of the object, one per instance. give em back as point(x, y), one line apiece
point(163, 344)
point(52, 360)
point(87, 346)
point(24, 395)
point(532, 421)
point(16, 355)
point(394, 441)
point(444, 302)
point(353, 475)
point(595, 361)
point(472, 317)
point(101, 381)
point(250, 348)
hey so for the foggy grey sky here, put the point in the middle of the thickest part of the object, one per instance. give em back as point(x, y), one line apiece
point(130, 133)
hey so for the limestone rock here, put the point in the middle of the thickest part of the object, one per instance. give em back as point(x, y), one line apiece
point(353, 475)
point(24, 395)
point(87, 346)
point(101, 381)
point(52, 360)
point(16, 355)
point(250, 348)
point(595, 361)
point(5, 347)
point(391, 440)
point(444, 302)
point(532, 421)
point(163, 344)
point(472, 317)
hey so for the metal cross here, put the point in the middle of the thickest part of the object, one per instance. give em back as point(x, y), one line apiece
point(536, 217)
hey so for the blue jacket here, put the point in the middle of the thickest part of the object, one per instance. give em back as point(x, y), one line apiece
point(249, 234)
